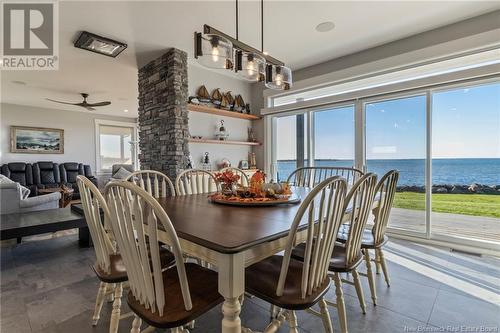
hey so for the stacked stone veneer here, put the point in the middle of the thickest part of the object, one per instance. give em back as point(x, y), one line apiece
point(163, 115)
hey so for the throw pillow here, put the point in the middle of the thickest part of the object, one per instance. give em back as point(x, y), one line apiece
point(25, 192)
point(122, 173)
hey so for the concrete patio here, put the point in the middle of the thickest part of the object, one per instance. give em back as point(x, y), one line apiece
point(475, 227)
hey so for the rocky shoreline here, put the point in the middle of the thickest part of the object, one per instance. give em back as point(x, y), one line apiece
point(453, 189)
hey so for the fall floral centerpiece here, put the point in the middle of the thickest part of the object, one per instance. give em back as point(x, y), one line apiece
point(257, 191)
point(228, 181)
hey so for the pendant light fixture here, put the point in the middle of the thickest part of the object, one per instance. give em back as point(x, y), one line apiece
point(215, 49)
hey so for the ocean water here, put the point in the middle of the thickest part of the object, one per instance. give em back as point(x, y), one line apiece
point(460, 171)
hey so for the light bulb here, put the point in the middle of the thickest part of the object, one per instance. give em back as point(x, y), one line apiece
point(279, 79)
point(215, 54)
point(250, 67)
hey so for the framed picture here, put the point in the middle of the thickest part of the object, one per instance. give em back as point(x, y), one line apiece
point(36, 140)
point(243, 165)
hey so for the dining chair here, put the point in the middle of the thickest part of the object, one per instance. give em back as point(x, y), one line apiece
point(195, 181)
point(109, 266)
point(244, 181)
point(154, 182)
point(375, 238)
point(291, 284)
point(346, 258)
point(311, 176)
point(165, 299)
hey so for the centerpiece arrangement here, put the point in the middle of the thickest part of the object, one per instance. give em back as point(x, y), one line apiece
point(258, 193)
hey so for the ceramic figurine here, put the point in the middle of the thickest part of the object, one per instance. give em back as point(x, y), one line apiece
point(203, 95)
point(247, 108)
point(230, 100)
point(205, 165)
point(239, 104)
point(224, 104)
point(216, 97)
point(222, 133)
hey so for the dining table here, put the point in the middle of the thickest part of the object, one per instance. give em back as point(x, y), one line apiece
point(231, 238)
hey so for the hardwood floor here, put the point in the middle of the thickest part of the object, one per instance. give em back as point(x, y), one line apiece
point(47, 285)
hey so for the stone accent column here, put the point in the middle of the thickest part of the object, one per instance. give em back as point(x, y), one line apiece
point(163, 115)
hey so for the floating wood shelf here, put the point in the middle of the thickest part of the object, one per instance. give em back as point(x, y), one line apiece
point(219, 112)
point(222, 142)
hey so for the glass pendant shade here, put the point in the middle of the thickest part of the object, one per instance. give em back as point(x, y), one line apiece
point(278, 77)
point(250, 66)
point(214, 51)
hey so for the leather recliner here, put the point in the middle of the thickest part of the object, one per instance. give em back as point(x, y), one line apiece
point(21, 173)
point(70, 170)
point(46, 174)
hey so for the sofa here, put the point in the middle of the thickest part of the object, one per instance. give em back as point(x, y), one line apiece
point(21, 173)
point(46, 174)
point(12, 201)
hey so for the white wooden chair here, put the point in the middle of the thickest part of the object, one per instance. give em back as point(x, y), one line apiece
point(154, 182)
point(375, 238)
point(244, 181)
point(358, 205)
point(166, 299)
point(291, 284)
point(311, 176)
point(195, 181)
point(109, 266)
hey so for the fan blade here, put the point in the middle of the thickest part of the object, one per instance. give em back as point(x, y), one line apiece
point(53, 100)
point(99, 104)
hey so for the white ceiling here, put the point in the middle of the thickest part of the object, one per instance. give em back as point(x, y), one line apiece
point(150, 28)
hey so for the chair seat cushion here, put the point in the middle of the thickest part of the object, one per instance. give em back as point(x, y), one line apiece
point(202, 283)
point(338, 261)
point(368, 241)
point(261, 280)
point(118, 272)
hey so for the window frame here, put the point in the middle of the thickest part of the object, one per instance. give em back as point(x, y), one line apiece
point(104, 122)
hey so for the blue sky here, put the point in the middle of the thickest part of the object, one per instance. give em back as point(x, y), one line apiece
point(466, 124)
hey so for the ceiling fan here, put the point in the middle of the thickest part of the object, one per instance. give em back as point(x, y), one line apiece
point(84, 104)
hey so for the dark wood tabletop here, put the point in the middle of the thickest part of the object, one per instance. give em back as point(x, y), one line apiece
point(228, 229)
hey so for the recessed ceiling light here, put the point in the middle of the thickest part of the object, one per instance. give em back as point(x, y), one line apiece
point(265, 53)
point(125, 110)
point(22, 83)
point(325, 26)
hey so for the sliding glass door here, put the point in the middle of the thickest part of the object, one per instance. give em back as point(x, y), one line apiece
point(291, 136)
point(445, 143)
point(396, 139)
point(466, 162)
point(334, 137)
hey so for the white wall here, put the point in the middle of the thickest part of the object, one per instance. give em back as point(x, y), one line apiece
point(79, 133)
point(205, 125)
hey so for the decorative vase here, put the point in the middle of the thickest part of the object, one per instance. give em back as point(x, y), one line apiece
point(228, 189)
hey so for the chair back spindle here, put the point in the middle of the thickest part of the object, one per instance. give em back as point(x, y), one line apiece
point(95, 209)
point(385, 191)
point(195, 181)
point(322, 208)
point(312, 176)
point(154, 182)
point(135, 217)
point(357, 208)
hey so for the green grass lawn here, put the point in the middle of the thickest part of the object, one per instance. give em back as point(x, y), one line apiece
point(466, 204)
